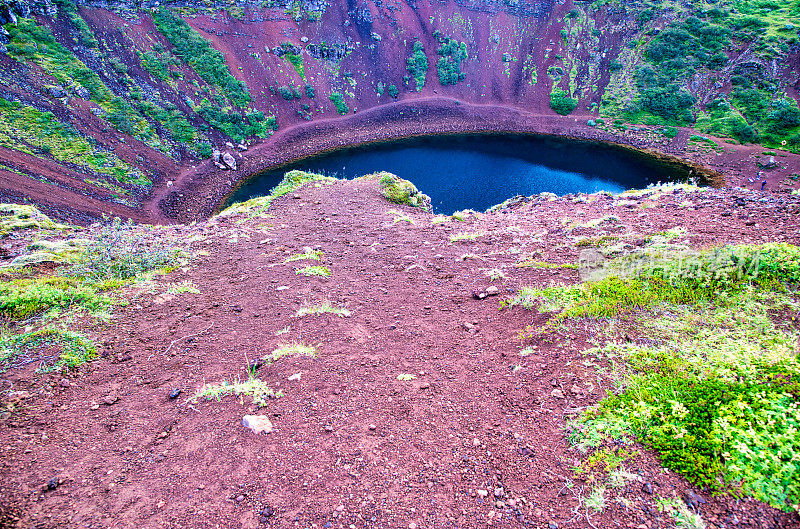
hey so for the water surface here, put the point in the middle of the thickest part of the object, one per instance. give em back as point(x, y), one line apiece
point(479, 171)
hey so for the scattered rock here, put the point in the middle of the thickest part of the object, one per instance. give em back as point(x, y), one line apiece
point(64, 383)
point(557, 393)
point(53, 482)
point(267, 512)
point(109, 400)
point(482, 493)
point(693, 500)
point(328, 428)
point(174, 393)
point(239, 498)
point(575, 390)
point(255, 364)
point(373, 427)
point(492, 291)
point(295, 377)
point(647, 487)
point(499, 492)
point(257, 423)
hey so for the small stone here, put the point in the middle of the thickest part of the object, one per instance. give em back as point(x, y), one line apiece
point(575, 390)
point(693, 500)
point(500, 504)
point(499, 492)
point(94, 406)
point(425, 385)
point(201, 486)
point(174, 393)
point(412, 525)
point(476, 442)
point(557, 393)
point(109, 400)
point(647, 487)
point(239, 498)
point(267, 512)
point(482, 493)
point(64, 383)
point(161, 504)
point(328, 428)
point(373, 427)
point(295, 377)
point(552, 525)
point(257, 423)
point(492, 291)
point(53, 482)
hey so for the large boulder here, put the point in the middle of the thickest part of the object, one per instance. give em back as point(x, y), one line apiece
point(229, 161)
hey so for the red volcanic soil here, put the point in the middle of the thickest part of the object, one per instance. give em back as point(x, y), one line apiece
point(199, 191)
point(470, 442)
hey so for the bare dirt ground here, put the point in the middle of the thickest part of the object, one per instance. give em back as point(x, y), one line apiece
point(470, 442)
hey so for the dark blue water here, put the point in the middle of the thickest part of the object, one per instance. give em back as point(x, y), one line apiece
point(479, 171)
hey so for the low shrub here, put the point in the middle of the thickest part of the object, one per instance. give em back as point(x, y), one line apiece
point(561, 102)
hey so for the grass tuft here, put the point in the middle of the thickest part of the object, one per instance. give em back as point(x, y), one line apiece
point(465, 236)
point(317, 270)
point(309, 255)
point(326, 307)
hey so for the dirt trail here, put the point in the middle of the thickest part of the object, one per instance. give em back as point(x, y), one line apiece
point(469, 442)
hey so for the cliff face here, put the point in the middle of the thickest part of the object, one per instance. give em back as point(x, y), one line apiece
point(107, 98)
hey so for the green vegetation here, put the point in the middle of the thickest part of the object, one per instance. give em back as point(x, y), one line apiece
point(158, 62)
point(292, 181)
point(115, 255)
point(314, 270)
point(311, 93)
point(288, 93)
point(561, 102)
point(399, 191)
point(717, 369)
point(326, 307)
point(297, 63)
point(23, 217)
point(85, 34)
point(392, 91)
point(449, 64)
point(695, 44)
point(64, 349)
point(258, 390)
point(465, 236)
point(26, 129)
point(292, 349)
point(196, 51)
point(417, 65)
point(238, 125)
point(338, 101)
point(173, 120)
point(309, 254)
point(30, 42)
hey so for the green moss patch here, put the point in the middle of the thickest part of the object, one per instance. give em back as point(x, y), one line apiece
point(400, 191)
